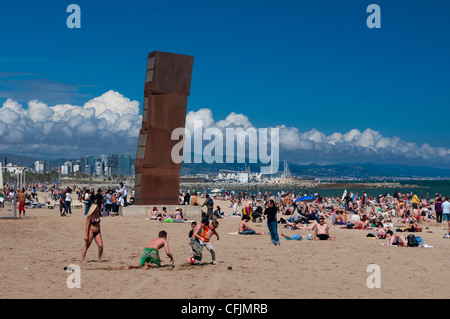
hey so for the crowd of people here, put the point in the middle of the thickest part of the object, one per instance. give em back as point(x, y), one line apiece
point(295, 211)
point(312, 211)
point(109, 199)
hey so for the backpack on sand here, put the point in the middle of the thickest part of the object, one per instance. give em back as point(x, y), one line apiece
point(412, 241)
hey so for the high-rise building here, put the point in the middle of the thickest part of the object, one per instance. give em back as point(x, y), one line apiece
point(42, 166)
point(124, 164)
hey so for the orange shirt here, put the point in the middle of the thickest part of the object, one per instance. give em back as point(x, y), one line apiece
point(207, 233)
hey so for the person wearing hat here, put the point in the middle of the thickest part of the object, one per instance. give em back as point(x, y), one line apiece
point(93, 232)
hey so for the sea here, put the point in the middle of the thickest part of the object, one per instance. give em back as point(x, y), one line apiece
point(425, 189)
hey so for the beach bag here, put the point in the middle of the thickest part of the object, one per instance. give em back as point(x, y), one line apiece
point(412, 241)
point(210, 202)
point(419, 240)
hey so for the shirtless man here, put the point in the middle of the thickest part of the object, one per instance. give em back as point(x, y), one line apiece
point(245, 229)
point(21, 198)
point(150, 255)
point(321, 231)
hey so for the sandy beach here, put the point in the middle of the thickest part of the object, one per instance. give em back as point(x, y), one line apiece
point(36, 249)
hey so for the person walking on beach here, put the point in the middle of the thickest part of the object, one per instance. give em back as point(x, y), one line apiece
point(93, 232)
point(209, 203)
point(446, 213)
point(150, 255)
point(271, 213)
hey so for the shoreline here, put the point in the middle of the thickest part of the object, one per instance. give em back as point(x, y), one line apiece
point(226, 186)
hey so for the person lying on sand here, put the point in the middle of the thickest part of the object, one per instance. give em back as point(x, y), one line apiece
point(296, 225)
point(363, 224)
point(150, 255)
point(295, 237)
point(395, 240)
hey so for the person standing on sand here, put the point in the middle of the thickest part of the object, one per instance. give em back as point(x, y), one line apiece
point(446, 213)
point(438, 210)
point(271, 213)
point(62, 203)
point(68, 201)
point(209, 203)
point(87, 201)
point(2, 199)
point(150, 255)
point(93, 232)
point(21, 198)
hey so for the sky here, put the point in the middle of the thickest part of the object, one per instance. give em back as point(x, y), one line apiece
point(338, 90)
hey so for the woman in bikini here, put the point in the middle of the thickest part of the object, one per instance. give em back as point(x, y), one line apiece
point(93, 232)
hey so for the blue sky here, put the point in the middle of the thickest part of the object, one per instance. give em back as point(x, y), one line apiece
point(303, 64)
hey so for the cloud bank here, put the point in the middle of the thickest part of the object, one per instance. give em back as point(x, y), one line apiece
point(110, 123)
point(353, 146)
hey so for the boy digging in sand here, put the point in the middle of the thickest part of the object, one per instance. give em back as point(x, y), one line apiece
point(150, 255)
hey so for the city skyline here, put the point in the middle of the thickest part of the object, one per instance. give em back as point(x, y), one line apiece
point(94, 165)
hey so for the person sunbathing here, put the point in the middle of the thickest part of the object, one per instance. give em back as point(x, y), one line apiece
point(296, 225)
point(362, 224)
point(397, 240)
point(341, 218)
point(321, 230)
point(295, 237)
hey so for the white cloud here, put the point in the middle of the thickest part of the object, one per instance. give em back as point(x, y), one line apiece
point(106, 124)
point(111, 123)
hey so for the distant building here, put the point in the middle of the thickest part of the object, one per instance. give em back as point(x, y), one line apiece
point(107, 165)
point(124, 165)
point(42, 167)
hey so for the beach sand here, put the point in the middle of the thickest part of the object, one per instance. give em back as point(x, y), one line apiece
point(36, 249)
